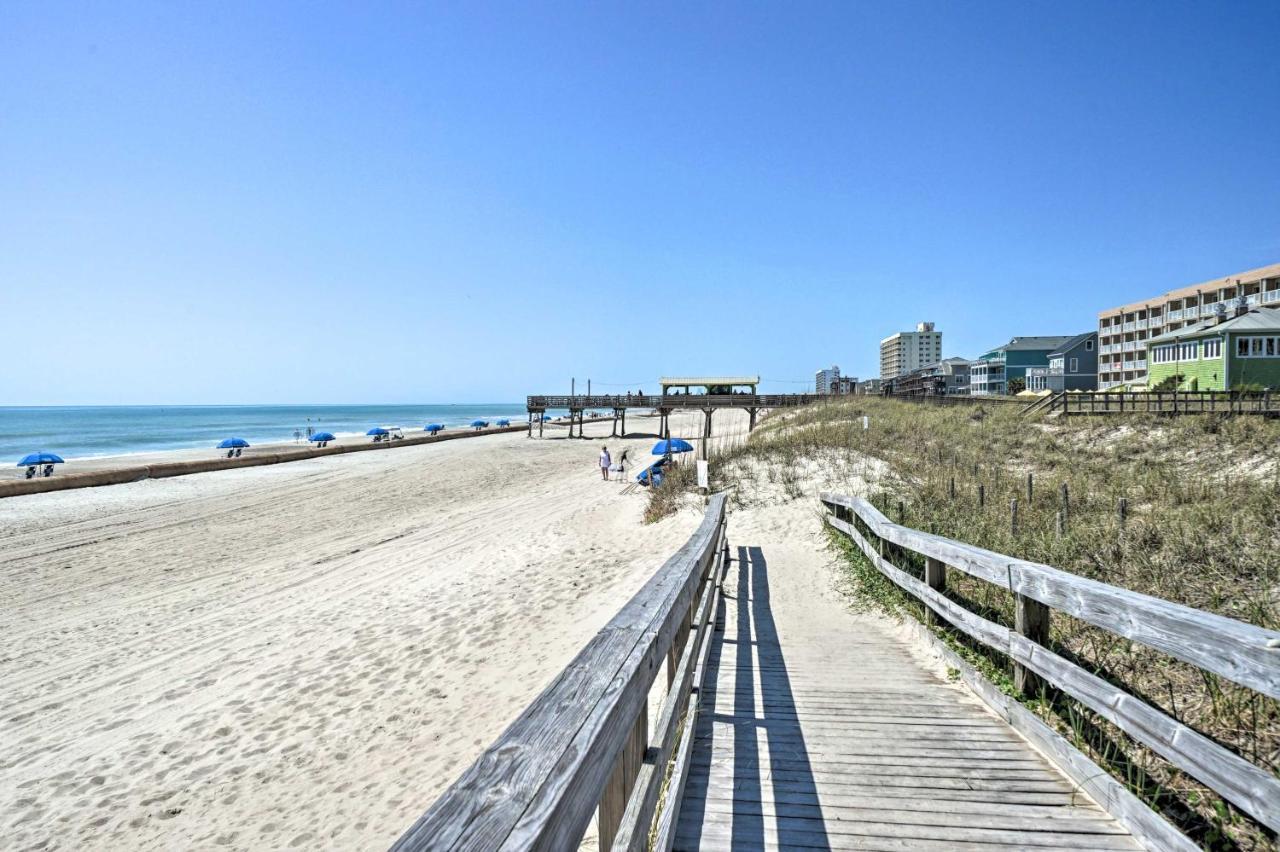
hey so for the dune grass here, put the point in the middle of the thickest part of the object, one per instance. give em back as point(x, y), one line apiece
point(1200, 526)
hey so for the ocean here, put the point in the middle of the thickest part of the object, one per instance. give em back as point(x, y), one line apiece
point(87, 431)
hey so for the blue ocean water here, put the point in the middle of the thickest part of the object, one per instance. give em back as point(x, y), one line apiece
point(83, 431)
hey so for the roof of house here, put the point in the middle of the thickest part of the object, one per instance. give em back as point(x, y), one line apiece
point(1248, 277)
point(1073, 343)
point(1023, 344)
point(1257, 319)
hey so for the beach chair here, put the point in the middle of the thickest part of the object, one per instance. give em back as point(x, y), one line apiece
point(31, 471)
point(48, 470)
point(238, 452)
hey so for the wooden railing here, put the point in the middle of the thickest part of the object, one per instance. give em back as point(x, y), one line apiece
point(956, 399)
point(1243, 653)
point(1165, 402)
point(585, 743)
point(674, 400)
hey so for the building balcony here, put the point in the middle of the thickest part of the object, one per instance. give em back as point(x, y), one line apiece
point(1174, 315)
point(1140, 365)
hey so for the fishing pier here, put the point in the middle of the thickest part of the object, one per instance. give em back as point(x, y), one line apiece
point(736, 392)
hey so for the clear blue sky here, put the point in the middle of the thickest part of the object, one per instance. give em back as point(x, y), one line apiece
point(275, 202)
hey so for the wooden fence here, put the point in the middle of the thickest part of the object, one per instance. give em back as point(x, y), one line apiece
point(1161, 402)
point(585, 744)
point(1240, 652)
point(956, 399)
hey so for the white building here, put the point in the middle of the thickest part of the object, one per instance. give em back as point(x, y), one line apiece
point(906, 351)
point(825, 381)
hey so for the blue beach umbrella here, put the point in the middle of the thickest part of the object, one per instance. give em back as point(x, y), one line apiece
point(233, 444)
point(376, 430)
point(40, 458)
point(322, 436)
point(675, 445)
point(479, 424)
point(503, 422)
point(433, 428)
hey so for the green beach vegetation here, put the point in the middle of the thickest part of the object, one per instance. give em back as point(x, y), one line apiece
point(1186, 509)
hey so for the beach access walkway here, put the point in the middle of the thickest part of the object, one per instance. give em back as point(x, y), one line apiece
point(810, 738)
point(786, 720)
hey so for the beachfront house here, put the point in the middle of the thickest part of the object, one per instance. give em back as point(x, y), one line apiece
point(1235, 351)
point(991, 373)
point(1073, 365)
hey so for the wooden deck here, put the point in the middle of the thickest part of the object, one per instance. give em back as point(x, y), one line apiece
point(821, 740)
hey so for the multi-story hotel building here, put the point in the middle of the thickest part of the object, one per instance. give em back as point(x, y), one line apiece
point(825, 381)
point(909, 350)
point(1123, 332)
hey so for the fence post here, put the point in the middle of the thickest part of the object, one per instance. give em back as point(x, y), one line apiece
point(1013, 516)
point(982, 496)
point(952, 488)
point(935, 576)
point(1030, 486)
point(613, 804)
point(1031, 619)
point(1122, 509)
point(1066, 506)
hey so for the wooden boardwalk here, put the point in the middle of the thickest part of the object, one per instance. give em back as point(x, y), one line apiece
point(844, 740)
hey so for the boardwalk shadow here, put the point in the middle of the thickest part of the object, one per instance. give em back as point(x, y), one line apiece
point(753, 787)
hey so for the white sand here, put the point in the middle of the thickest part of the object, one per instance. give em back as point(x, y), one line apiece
point(299, 655)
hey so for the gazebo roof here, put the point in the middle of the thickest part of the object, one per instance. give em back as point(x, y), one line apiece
point(709, 381)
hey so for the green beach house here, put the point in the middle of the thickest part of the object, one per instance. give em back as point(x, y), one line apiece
point(1227, 352)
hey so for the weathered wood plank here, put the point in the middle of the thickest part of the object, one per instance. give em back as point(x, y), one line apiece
point(633, 834)
point(849, 835)
point(1244, 653)
point(1237, 780)
point(1150, 829)
point(538, 784)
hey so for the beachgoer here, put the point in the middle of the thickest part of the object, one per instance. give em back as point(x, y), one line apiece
point(622, 465)
point(605, 461)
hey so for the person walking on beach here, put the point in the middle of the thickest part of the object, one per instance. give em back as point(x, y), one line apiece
point(605, 462)
point(622, 465)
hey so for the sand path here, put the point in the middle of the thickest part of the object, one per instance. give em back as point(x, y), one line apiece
point(301, 655)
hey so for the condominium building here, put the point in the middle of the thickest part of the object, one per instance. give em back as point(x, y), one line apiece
point(909, 350)
point(1123, 332)
point(825, 381)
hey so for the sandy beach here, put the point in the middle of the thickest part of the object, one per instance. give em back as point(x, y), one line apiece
point(300, 655)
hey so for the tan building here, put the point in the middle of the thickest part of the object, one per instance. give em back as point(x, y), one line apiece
point(1123, 332)
point(906, 351)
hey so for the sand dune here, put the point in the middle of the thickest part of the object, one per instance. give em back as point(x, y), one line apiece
point(302, 655)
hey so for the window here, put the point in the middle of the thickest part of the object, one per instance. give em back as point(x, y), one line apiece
point(1187, 351)
point(1075, 365)
point(1258, 347)
point(1088, 345)
point(1213, 348)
